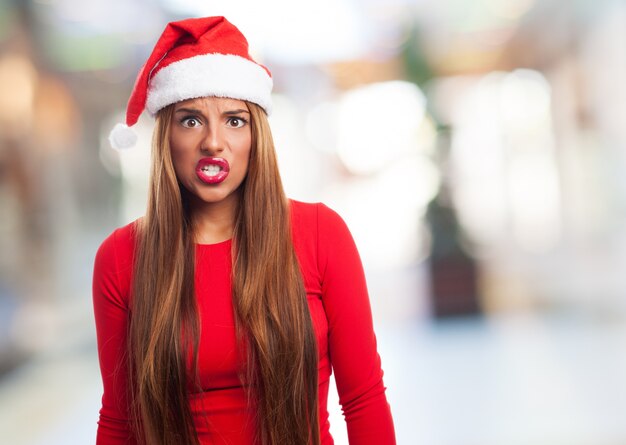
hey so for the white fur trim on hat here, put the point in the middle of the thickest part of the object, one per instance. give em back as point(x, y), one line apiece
point(221, 75)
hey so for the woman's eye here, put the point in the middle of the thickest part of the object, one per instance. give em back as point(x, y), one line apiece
point(190, 122)
point(236, 122)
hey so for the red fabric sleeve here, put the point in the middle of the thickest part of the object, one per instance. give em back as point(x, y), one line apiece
point(352, 342)
point(110, 301)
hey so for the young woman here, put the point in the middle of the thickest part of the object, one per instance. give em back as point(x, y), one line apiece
point(222, 311)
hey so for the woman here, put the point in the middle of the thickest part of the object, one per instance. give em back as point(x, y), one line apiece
point(220, 313)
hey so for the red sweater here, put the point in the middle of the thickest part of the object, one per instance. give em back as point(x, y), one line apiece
point(340, 309)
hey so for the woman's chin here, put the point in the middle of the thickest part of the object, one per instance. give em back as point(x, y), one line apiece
point(215, 196)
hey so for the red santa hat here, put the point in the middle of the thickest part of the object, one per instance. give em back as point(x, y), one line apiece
point(194, 58)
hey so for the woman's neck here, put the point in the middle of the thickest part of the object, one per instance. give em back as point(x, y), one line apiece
point(214, 222)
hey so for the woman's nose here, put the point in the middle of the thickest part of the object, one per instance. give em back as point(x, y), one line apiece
point(213, 141)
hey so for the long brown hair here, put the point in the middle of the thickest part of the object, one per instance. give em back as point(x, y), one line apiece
point(273, 323)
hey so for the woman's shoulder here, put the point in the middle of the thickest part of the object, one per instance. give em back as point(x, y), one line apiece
point(320, 234)
point(315, 214)
point(113, 264)
point(317, 220)
point(121, 241)
point(301, 208)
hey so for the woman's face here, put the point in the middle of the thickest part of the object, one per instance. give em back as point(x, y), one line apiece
point(210, 142)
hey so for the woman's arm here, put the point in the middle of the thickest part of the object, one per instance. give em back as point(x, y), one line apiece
point(111, 316)
point(352, 342)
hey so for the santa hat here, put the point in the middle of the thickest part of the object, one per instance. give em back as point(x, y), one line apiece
point(194, 58)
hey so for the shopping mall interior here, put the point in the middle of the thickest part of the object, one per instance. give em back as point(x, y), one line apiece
point(475, 149)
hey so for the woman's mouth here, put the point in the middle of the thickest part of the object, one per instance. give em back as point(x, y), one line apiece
point(212, 170)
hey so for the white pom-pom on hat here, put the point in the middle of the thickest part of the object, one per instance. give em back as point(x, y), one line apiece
point(122, 137)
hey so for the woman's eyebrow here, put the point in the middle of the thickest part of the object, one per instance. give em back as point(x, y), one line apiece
point(188, 110)
point(238, 111)
point(197, 111)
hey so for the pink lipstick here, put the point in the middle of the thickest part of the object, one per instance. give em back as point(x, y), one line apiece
point(212, 170)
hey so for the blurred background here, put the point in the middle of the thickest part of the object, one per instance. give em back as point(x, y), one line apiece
point(476, 149)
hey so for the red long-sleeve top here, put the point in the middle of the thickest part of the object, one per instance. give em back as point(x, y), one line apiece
point(340, 309)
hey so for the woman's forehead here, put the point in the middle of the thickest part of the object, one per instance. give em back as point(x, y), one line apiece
point(212, 102)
